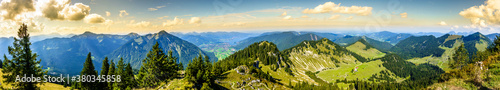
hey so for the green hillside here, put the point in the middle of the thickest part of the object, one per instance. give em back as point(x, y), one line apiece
point(283, 40)
point(348, 40)
point(421, 46)
point(363, 48)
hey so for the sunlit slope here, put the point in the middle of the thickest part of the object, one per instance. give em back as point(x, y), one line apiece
point(473, 43)
point(361, 47)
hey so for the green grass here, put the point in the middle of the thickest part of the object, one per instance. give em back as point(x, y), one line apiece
point(221, 50)
point(371, 53)
point(231, 78)
point(481, 45)
point(365, 70)
point(453, 84)
point(442, 61)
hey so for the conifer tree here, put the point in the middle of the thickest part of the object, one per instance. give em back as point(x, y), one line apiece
point(460, 57)
point(120, 67)
point(157, 67)
point(104, 72)
point(129, 76)
point(88, 69)
point(111, 72)
point(23, 62)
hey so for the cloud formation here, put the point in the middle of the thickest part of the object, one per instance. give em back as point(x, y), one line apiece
point(195, 20)
point(62, 10)
point(404, 15)
point(94, 18)
point(287, 17)
point(283, 14)
point(156, 8)
point(10, 9)
point(442, 23)
point(108, 22)
point(488, 12)
point(123, 13)
point(176, 21)
point(152, 9)
point(108, 13)
point(330, 7)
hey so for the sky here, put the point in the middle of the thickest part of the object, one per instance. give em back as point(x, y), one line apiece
point(150, 16)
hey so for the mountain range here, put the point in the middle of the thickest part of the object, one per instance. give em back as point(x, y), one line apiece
point(136, 49)
point(283, 40)
point(66, 55)
point(422, 46)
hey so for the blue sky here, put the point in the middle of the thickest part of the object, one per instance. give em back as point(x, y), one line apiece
point(149, 16)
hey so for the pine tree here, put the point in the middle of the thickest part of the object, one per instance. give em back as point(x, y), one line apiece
point(111, 72)
point(23, 62)
point(200, 71)
point(496, 45)
point(460, 57)
point(120, 67)
point(88, 69)
point(104, 72)
point(129, 76)
point(157, 67)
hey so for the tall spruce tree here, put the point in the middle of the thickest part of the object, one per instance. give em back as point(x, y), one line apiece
point(157, 67)
point(23, 62)
point(104, 72)
point(129, 76)
point(200, 71)
point(120, 70)
point(460, 57)
point(111, 71)
point(88, 69)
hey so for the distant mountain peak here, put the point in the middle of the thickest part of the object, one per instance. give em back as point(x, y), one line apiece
point(162, 32)
point(88, 33)
point(132, 33)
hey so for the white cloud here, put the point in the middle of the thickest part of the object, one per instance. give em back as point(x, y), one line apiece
point(108, 22)
point(156, 8)
point(349, 18)
point(404, 15)
point(489, 12)
point(160, 6)
point(108, 13)
point(330, 7)
point(283, 14)
point(442, 23)
point(123, 13)
point(141, 24)
point(304, 16)
point(176, 21)
point(10, 9)
point(334, 17)
point(94, 18)
point(152, 9)
point(62, 10)
point(287, 17)
point(195, 20)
